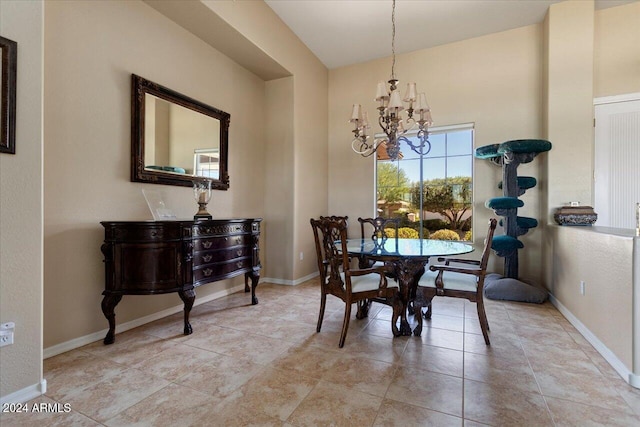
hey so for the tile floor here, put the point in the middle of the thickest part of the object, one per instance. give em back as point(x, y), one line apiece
point(265, 365)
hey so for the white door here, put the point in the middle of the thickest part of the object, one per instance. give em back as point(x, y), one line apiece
point(617, 160)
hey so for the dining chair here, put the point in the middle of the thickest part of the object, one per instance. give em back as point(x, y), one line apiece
point(379, 234)
point(378, 227)
point(341, 219)
point(337, 278)
point(363, 306)
point(465, 281)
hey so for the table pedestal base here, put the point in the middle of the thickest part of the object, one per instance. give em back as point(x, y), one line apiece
point(408, 271)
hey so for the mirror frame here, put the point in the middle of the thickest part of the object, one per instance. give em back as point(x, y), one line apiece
point(8, 85)
point(141, 86)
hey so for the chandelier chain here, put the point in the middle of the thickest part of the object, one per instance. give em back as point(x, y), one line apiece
point(393, 40)
point(390, 120)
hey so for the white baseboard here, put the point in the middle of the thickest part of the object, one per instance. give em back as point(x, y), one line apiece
point(290, 282)
point(631, 378)
point(27, 393)
point(88, 339)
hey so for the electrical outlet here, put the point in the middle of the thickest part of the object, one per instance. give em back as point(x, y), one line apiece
point(6, 333)
point(301, 256)
point(6, 338)
point(582, 287)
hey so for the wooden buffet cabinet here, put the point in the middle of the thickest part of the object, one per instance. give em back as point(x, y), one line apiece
point(158, 257)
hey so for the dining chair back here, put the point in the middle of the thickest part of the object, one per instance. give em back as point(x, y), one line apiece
point(338, 279)
point(380, 227)
point(457, 281)
point(341, 219)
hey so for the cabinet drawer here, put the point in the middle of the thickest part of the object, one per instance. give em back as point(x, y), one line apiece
point(208, 272)
point(207, 257)
point(147, 233)
point(207, 230)
point(212, 243)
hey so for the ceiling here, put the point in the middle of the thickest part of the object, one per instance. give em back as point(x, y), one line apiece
point(345, 32)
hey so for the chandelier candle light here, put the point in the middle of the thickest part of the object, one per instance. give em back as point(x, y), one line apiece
point(390, 119)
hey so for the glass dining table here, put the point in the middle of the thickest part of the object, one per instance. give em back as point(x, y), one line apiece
point(408, 258)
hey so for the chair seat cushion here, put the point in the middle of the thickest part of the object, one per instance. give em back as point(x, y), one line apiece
point(377, 264)
point(368, 282)
point(453, 281)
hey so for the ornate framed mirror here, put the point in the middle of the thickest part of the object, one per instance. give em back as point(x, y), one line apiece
point(8, 74)
point(176, 139)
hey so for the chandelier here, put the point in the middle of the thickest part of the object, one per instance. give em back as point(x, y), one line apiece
point(390, 118)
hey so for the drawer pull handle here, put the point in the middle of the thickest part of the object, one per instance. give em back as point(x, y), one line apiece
point(207, 258)
point(239, 252)
point(207, 244)
point(239, 264)
point(207, 272)
point(239, 240)
point(226, 239)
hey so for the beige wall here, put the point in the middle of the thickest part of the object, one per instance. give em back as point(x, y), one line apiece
point(568, 113)
point(21, 206)
point(279, 204)
point(570, 103)
point(91, 49)
point(578, 67)
point(617, 50)
point(494, 81)
point(257, 22)
point(606, 308)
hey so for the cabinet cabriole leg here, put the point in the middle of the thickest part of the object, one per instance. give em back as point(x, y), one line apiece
point(188, 297)
point(109, 303)
point(255, 277)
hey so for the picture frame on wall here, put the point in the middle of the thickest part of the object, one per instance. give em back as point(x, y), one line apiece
point(8, 73)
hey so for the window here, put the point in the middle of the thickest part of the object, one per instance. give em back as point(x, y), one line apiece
point(206, 162)
point(430, 192)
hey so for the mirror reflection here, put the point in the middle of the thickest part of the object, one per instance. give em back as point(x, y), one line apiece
point(176, 138)
point(180, 140)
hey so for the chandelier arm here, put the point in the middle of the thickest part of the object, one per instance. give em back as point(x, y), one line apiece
point(423, 148)
point(411, 124)
point(404, 139)
point(362, 147)
point(359, 146)
point(383, 122)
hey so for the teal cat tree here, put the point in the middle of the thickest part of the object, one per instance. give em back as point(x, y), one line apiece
point(509, 155)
